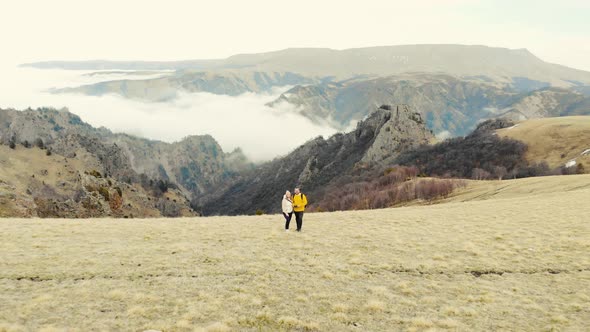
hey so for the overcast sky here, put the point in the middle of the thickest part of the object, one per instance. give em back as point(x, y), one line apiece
point(556, 31)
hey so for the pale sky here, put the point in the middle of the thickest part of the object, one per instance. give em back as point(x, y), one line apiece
point(555, 31)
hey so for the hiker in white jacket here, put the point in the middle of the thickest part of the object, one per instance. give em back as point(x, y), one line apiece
point(287, 205)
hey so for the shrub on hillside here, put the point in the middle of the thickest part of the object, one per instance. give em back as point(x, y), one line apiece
point(95, 173)
point(489, 126)
point(395, 186)
point(157, 187)
point(115, 201)
point(104, 192)
point(12, 142)
point(39, 143)
point(536, 169)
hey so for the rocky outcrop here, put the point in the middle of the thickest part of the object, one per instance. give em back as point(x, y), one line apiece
point(376, 141)
point(194, 167)
point(196, 164)
point(400, 131)
point(34, 183)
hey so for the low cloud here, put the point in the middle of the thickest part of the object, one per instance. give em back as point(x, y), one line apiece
point(443, 135)
point(243, 121)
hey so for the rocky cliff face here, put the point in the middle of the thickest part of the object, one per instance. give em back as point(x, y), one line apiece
point(193, 167)
point(35, 183)
point(376, 141)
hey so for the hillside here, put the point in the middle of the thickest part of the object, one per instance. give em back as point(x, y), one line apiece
point(319, 164)
point(450, 104)
point(515, 263)
point(33, 184)
point(557, 141)
point(195, 165)
point(511, 189)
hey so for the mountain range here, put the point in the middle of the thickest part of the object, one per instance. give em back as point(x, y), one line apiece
point(453, 86)
point(55, 165)
point(390, 105)
point(195, 172)
point(460, 60)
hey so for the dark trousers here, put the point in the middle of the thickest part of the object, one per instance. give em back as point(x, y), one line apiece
point(287, 219)
point(299, 220)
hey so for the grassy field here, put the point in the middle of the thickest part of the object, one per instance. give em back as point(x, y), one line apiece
point(493, 258)
point(554, 140)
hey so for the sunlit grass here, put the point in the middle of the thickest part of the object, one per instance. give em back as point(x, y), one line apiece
point(519, 262)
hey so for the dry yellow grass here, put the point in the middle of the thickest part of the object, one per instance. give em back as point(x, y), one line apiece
point(514, 262)
point(528, 187)
point(555, 140)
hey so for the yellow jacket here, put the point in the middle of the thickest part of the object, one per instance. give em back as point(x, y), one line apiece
point(299, 202)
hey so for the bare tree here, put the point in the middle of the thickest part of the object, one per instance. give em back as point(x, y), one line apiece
point(480, 174)
point(500, 172)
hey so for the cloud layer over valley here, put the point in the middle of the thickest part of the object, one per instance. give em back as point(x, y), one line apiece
point(243, 121)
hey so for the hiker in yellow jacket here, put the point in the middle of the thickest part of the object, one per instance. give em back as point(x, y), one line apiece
point(299, 204)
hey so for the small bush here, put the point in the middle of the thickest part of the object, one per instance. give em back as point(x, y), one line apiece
point(95, 173)
point(259, 212)
point(48, 152)
point(580, 169)
point(12, 142)
point(39, 143)
point(104, 192)
point(26, 144)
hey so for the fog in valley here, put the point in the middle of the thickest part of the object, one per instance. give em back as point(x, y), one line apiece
point(242, 121)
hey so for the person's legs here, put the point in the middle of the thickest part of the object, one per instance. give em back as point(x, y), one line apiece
point(287, 219)
point(299, 220)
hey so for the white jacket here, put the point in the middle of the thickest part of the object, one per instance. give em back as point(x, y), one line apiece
point(287, 205)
